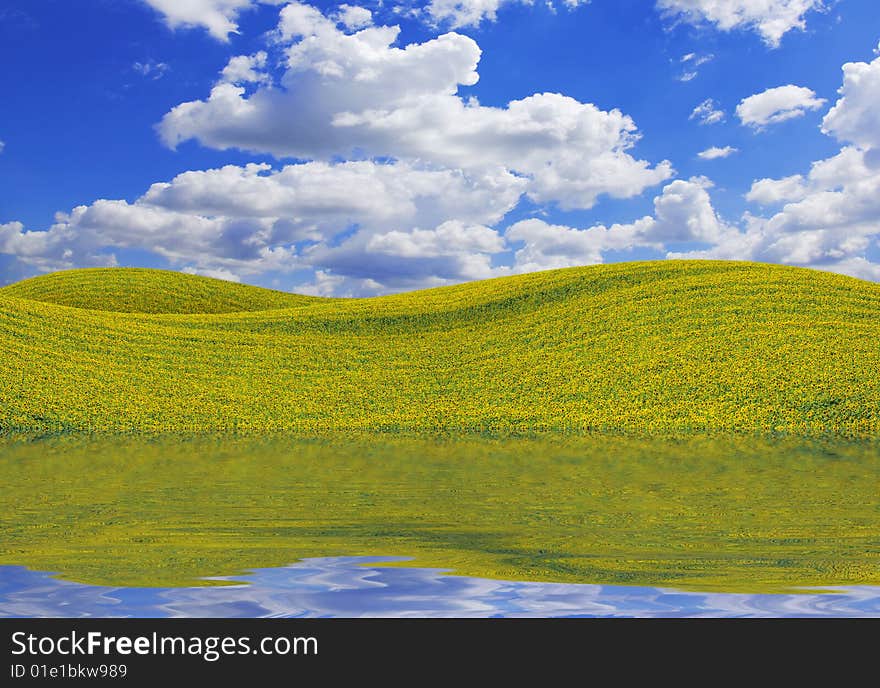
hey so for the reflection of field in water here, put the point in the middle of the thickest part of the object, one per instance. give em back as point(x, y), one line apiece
point(718, 513)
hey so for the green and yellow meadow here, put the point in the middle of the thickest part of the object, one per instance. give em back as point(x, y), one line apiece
point(668, 345)
point(724, 512)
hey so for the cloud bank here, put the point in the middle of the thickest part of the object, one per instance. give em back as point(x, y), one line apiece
point(386, 177)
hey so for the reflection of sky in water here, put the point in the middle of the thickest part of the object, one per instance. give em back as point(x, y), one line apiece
point(360, 586)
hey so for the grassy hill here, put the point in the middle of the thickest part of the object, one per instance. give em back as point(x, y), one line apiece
point(669, 345)
point(141, 290)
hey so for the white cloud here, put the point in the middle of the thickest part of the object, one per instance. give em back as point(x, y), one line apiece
point(151, 69)
point(218, 273)
point(772, 191)
point(463, 13)
point(707, 112)
point(856, 116)
point(2, 146)
point(548, 246)
point(328, 284)
point(692, 63)
point(857, 267)
point(714, 153)
point(435, 213)
point(696, 60)
point(50, 250)
point(364, 228)
point(217, 16)
point(357, 95)
point(246, 69)
point(325, 198)
point(772, 19)
point(777, 105)
point(354, 17)
point(249, 220)
point(831, 215)
point(450, 252)
point(683, 213)
point(829, 219)
point(450, 237)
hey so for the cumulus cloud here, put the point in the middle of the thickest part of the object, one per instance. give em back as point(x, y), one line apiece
point(249, 220)
point(714, 153)
point(777, 105)
point(355, 94)
point(830, 216)
point(707, 112)
point(856, 117)
point(547, 246)
point(857, 267)
point(218, 273)
point(451, 252)
point(217, 16)
point(354, 17)
point(246, 69)
point(772, 19)
point(51, 250)
point(683, 213)
point(427, 179)
point(828, 220)
point(772, 191)
point(362, 227)
point(430, 176)
point(324, 198)
point(2, 146)
point(451, 236)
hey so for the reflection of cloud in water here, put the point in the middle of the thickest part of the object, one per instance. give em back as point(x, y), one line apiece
point(360, 586)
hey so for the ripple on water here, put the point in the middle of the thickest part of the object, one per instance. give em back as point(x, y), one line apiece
point(363, 587)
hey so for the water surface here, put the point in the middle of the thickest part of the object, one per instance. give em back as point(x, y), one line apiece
point(362, 587)
point(723, 514)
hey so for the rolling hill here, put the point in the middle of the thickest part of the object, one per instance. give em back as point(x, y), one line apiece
point(142, 290)
point(666, 345)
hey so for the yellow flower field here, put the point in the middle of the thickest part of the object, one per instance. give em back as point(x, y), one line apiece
point(667, 345)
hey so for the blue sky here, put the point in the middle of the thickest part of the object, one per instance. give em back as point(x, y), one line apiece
point(316, 148)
